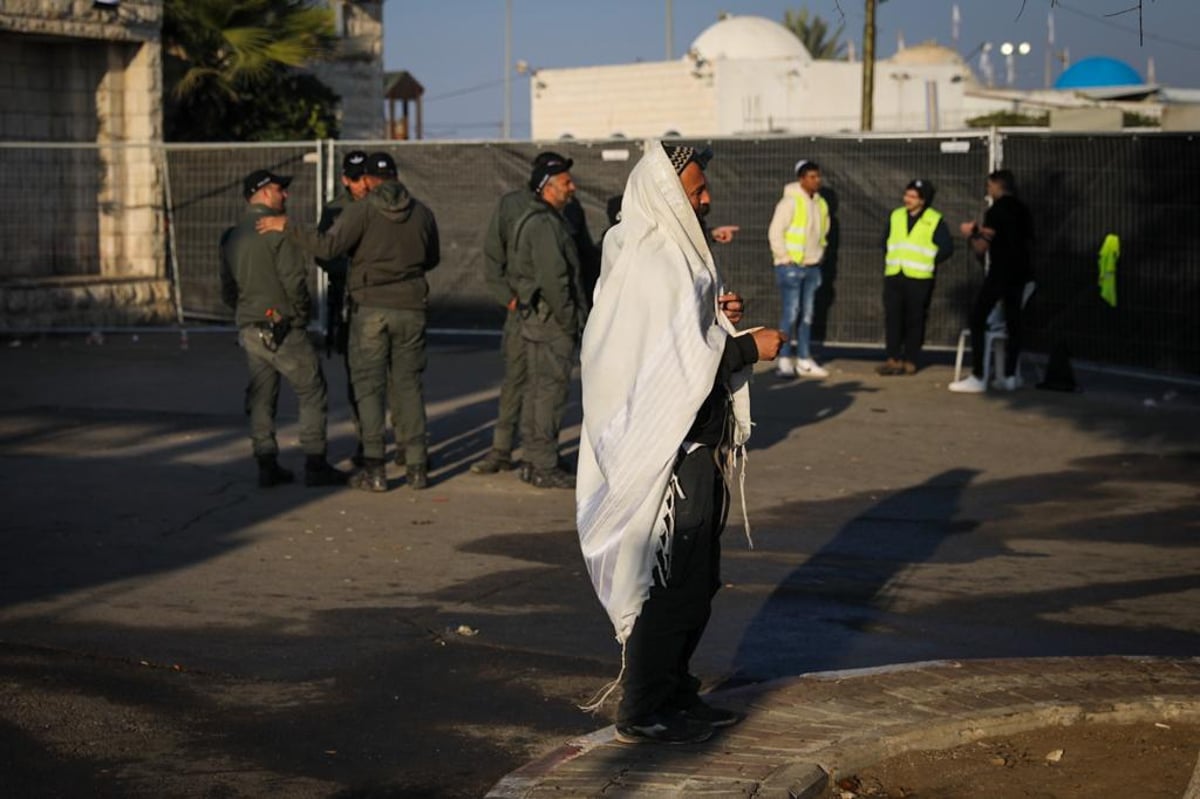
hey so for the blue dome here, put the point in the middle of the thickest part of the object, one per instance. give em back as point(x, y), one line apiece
point(1098, 71)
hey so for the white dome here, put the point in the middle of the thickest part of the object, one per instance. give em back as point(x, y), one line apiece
point(750, 39)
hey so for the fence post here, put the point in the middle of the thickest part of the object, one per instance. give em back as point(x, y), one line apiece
point(172, 249)
point(995, 149)
point(322, 276)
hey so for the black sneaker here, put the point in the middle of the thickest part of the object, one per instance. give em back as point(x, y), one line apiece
point(552, 478)
point(659, 729)
point(323, 474)
point(417, 477)
point(712, 716)
point(271, 474)
point(495, 461)
point(370, 478)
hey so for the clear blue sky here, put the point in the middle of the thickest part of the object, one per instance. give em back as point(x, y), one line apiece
point(455, 48)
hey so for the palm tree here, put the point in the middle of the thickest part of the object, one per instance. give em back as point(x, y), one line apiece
point(814, 34)
point(220, 54)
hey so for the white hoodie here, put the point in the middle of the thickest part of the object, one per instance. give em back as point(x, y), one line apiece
point(781, 220)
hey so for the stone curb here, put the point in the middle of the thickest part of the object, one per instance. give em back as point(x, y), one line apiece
point(801, 732)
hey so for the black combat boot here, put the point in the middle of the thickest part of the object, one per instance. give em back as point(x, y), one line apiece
point(496, 460)
point(319, 472)
point(270, 473)
point(372, 477)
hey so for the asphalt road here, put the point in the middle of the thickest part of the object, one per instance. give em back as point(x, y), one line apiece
point(169, 629)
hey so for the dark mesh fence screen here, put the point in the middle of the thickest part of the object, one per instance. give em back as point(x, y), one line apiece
point(206, 191)
point(1142, 188)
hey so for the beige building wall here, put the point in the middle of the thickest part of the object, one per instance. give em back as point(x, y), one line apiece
point(632, 100)
point(81, 113)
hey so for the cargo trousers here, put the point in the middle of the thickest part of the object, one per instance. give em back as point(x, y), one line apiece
point(387, 350)
point(295, 361)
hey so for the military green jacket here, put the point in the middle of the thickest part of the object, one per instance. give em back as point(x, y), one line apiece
point(263, 271)
point(512, 206)
point(392, 241)
point(544, 266)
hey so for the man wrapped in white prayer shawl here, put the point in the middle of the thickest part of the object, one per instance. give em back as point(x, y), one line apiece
point(665, 411)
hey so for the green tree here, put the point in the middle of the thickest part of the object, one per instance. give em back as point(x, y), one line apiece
point(233, 70)
point(815, 34)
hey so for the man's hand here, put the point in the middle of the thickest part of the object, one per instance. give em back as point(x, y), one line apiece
point(967, 228)
point(732, 306)
point(512, 303)
point(271, 224)
point(768, 340)
point(724, 234)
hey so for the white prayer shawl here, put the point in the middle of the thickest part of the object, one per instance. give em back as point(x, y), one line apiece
point(650, 353)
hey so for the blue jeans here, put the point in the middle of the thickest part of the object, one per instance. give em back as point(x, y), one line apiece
point(798, 289)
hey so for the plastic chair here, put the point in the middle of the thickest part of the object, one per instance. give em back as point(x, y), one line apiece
point(994, 340)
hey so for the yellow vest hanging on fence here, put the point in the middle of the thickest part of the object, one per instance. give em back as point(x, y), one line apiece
point(1110, 251)
point(912, 251)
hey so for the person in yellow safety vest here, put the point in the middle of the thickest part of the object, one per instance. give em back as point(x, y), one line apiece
point(798, 234)
point(915, 242)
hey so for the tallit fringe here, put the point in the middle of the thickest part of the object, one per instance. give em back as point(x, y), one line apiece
point(664, 536)
point(733, 468)
point(605, 692)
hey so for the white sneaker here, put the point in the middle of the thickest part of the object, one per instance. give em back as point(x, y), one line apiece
point(968, 385)
point(809, 368)
point(785, 366)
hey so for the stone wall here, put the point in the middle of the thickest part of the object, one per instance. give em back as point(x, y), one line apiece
point(81, 91)
point(84, 302)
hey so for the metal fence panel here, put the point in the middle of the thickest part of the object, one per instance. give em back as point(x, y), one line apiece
point(461, 183)
point(864, 180)
point(206, 199)
point(97, 212)
point(1142, 188)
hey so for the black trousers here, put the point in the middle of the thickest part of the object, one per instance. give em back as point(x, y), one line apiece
point(659, 650)
point(905, 306)
point(1010, 291)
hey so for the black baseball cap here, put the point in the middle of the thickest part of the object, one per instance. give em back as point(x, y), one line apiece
point(262, 177)
point(547, 168)
point(354, 165)
point(381, 165)
point(548, 156)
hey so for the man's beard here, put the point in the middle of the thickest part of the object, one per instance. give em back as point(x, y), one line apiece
point(702, 212)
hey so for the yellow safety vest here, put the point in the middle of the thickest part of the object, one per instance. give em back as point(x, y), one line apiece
point(912, 252)
point(796, 236)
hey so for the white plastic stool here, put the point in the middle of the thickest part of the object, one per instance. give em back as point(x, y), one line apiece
point(994, 340)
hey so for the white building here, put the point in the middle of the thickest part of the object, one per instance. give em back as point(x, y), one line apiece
point(751, 75)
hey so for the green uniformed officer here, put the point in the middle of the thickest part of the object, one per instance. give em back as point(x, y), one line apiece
point(544, 263)
point(509, 209)
point(264, 279)
point(392, 240)
point(337, 303)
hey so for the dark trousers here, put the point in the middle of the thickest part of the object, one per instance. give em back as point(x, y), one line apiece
point(296, 362)
point(905, 306)
point(548, 359)
point(512, 390)
point(657, 677)
point(1010, 291)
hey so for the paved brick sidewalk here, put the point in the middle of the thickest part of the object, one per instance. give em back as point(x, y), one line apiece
point(799, 731)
